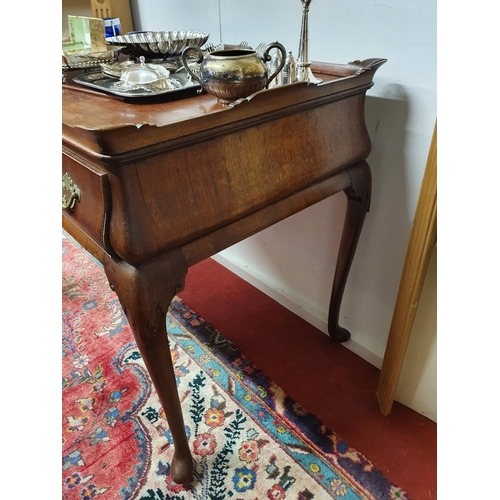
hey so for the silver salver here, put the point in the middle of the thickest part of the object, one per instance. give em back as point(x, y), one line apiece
point(106, 83)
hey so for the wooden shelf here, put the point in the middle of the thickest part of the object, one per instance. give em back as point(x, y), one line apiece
point(114, 8)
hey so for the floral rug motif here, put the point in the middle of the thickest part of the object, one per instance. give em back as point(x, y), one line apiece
point(250, 441)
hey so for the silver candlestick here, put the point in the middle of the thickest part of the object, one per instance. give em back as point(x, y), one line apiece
point(304, 73)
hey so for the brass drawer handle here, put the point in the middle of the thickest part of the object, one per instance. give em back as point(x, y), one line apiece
point(73, 191)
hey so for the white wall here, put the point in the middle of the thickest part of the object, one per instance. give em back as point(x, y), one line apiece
point(294, 260)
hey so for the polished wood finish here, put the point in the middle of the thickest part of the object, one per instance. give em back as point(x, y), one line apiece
point(422, 241)
point(167, 183)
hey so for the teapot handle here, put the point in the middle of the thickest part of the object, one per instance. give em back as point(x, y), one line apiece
point(198, 59)
point(266, 57)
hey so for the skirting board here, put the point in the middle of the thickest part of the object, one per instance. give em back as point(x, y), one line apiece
point(295, 304)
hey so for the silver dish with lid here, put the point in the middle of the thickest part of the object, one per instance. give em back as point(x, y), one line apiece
point(146, 76)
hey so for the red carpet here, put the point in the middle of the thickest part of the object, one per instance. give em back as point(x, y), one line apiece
point(327, 379)
point(249, 439)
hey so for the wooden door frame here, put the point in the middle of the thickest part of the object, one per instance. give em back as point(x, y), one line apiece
point(422, 242)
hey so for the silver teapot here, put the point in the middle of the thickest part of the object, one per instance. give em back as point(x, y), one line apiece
point(231, 74)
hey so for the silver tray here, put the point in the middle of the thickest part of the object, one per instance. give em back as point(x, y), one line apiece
point(101, 81)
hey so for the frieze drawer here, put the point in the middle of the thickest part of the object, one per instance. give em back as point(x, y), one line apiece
point(85, 198)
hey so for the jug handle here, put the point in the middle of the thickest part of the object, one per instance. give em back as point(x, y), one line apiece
point(198, 59)
point(266, 57)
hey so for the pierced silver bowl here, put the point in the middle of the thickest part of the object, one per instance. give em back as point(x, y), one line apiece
point(157, 44)
point(90, 59)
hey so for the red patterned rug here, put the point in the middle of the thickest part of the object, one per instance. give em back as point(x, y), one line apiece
point(249, 439)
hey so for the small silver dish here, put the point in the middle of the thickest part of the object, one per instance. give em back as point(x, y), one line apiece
point(116, 69)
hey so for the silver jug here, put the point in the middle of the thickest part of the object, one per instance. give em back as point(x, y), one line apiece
point(233, 73)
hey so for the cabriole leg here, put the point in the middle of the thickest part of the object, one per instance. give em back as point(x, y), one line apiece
point(145, 293)
point(358, 203)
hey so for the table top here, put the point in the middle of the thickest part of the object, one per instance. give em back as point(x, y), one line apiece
point(102, 125)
